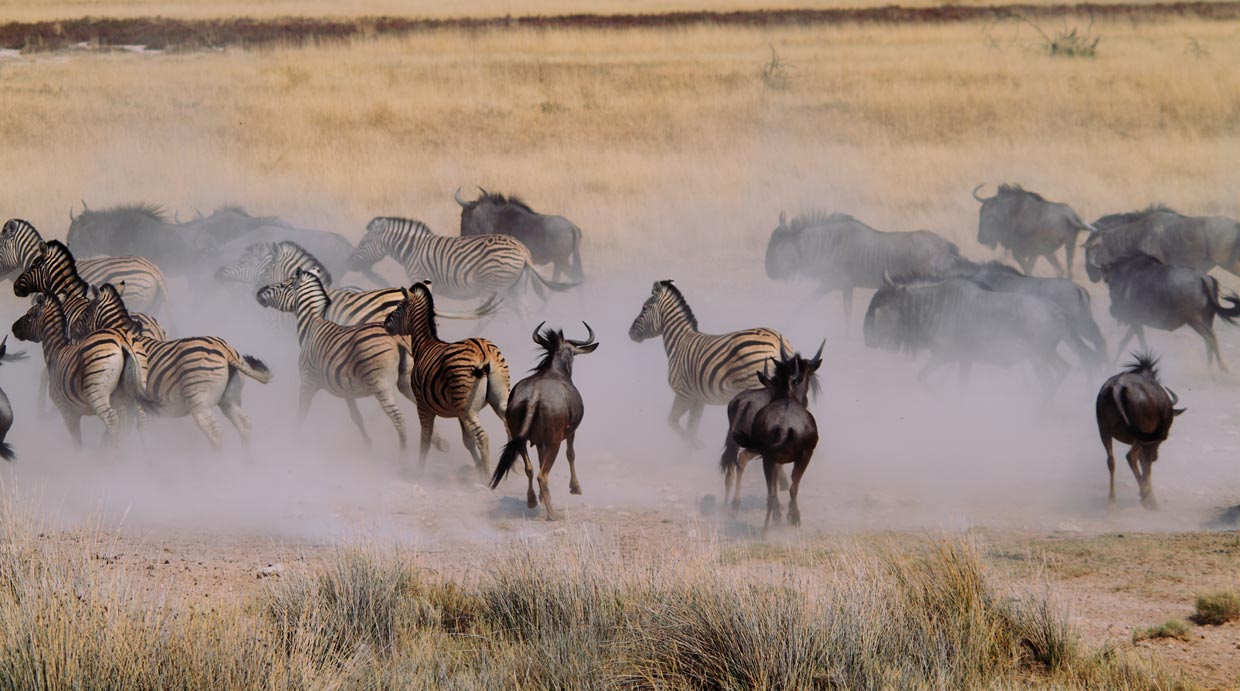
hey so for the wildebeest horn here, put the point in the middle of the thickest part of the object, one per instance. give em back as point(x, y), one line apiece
point(483, 191)
point(196, 211)
point(783, 353)
point(71, 218)
point(589, 337)
point(536, 330)
point(84, 207)
point(782, 222)
point(887, 279)
point(981, 199)
point(818, 355)
point(176, 216)
point(458, 199)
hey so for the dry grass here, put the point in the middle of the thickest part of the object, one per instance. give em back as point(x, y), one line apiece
point(1172, 628)
point(582, 617)
point(643, 137)
point(1218, 608)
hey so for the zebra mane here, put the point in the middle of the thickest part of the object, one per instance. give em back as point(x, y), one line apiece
point(501, 200)
point(680, 301)
point(815, 218)
point(14, 225)
point(1016, 190)
point(431, 327)
point(302, 256)
point(56, 246)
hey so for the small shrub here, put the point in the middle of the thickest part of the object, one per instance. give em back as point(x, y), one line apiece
point(777, 74)
point(1218, 608)
point(1069, 43)
point(1172, 628)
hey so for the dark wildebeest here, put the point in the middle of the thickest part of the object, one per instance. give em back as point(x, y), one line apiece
point(742, 410)
point(552, 239)
point(783, 431)
point(1136, 409)
point(6, 412)
point(1147, 292)
point(1066, 294)
point(842, 253)
point(1029, 226)
point(961, 320)
point(1198, 242)
point(142, 231)
point(544, 409)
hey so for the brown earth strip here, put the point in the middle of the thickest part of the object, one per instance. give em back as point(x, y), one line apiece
point(197, 34)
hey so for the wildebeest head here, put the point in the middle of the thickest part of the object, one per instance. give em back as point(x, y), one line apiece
point(253, 266)
point(885, 324)
point(783, 256)
point(482, 215)
point(794, 376)
point(991, 219)
point(28, 326)
point(559, 349)
point(1095, 258)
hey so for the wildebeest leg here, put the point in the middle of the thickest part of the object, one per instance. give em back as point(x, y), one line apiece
point(356, 416)
point(1207, 334)
point(847, 296)
point(770, 468)
point(73, 423)
point(546, 459)
point(798, 469)
point(574, 487)
point(1134, 454)
point(1149, 454)
point(1141, 337)
point(531, 500)
point(1054, 262)
point(1069, 251)
point(1106, 444)
point(1026, 263)
point(822, 290)
point(679, 407)
point(936, 361)
point(742, 460)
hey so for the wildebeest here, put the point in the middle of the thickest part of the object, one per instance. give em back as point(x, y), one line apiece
point(742, 410)
point(1136, 409)
point(544, 409)
point(549, 238)
point(960, 320)
point(1145, 291)
point(842, 253)
point(1067, 296)
point(1198, 242)
point(1029, 226)
point(6, 412)
point(141, 230)
point(783, 431)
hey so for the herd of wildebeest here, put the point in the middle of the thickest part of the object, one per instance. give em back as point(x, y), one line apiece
point(96, 297)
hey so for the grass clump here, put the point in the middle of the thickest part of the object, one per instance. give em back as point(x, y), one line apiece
point(1217, 608)
point(1172, 628)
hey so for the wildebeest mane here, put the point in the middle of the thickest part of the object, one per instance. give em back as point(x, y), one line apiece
point(550, 340)
point(511, 200)
point(680, 301)
point(810, 219)
point(1013, 189)
point(153, 211)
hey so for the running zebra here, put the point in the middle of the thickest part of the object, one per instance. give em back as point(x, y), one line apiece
point(451, 379)
point(462, 268)
point(186, 376)
point(351, 362)
point(702, 369)
point(102, 375)
point(55, 271)
point(20, 244)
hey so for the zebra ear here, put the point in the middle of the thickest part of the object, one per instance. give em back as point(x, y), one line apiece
point(94, 292)
point(120, 288)
point(404, 293)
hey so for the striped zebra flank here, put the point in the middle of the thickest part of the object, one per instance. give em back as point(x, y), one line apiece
point(451, 379)
point(21, 243)
point(186, 376)
point(103, 375)
point(350, 362)
point(702, 369)
point(461, 268)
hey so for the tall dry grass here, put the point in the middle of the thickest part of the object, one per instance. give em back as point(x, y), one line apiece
point(585, 617)
point(665, 139)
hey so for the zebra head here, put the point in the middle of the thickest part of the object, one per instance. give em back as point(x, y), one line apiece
point(418, 307)
point(18, 240)
point(373, 245)
point(106, 311)
point(301, 290)
point(649, 322)
point(280, 296)
point(253, 267)
point(53, 271)
point(33, 278)
point(29, 326)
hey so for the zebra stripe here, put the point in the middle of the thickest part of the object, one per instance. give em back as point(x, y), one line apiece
point(146, 290)
point(85, 378)
point(187, 376)
point(459, 267)
point(451, 379)
point(702, 369)
point(350, 362)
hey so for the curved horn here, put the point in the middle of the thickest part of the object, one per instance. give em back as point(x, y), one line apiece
point(458, 199)
point(818, 355)
point(199, 213)
point(981, 199)
point(483, 191)
point(1174, 398)
point(887, 279)
point(84, 206)
point(782, 221)
point(536, 330)
point(783, 354)
point(589, 337)
point(71, 218)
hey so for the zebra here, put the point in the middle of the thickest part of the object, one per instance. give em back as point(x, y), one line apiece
point(702, 369)
point(104, 374)
point(351, 362)
point(451, 379)
point(186, 376)
point(461, 268)
point(21, 243)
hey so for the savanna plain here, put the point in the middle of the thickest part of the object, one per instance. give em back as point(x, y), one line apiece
point(951, 538)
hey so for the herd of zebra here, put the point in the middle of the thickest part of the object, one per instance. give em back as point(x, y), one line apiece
point(107, 355)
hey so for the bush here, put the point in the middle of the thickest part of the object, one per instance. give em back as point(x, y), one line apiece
point(1218, 608)
point(1172, 628)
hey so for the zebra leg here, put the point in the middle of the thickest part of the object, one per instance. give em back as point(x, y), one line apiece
point(546, 459)
point(679, 407)
point(356, 416)
point(695, 421)
point(43, 392)
point(427, 420)
point(388, 402)
point(574, 487)
point(303, 403)
point(232, 410)
point(201, 412)
point(483, 445)
point(73, 423)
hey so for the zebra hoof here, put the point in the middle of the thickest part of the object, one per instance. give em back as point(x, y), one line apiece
point(440, 443)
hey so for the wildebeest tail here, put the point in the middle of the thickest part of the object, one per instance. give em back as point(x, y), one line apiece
point(1228, 314)
point(514, 447)
point(6, 452)
point(253, 368)
point(1155, 435)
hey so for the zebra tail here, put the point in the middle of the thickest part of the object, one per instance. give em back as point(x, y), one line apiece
point(253, 368)
point(135, 378)
point(164, 302)
point(514, 447)
point(6, 452)
point(557, 286)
